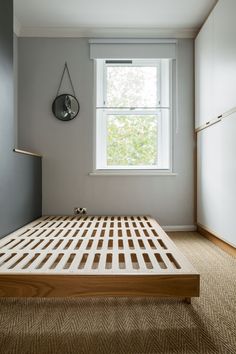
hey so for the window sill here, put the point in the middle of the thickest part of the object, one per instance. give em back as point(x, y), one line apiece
point(132, 173)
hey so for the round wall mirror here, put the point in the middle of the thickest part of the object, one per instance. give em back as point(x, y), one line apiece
point(65, 107)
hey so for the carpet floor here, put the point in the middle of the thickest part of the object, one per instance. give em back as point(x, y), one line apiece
point(132, 325)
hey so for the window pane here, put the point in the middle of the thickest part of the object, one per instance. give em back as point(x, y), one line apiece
point(132, 86)
point(132, 140)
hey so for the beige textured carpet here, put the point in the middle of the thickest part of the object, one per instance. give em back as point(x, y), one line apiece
point(137, 325)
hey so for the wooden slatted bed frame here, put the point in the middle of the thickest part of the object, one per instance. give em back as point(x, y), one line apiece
point(94, 256)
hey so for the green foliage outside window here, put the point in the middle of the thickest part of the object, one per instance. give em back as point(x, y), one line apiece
point(131, 140)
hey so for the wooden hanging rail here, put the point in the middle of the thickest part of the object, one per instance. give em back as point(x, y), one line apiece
point(27, 152)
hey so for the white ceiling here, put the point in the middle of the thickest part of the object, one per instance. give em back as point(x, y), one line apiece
point(34, 16)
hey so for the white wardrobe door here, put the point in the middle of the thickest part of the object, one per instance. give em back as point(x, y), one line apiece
point(204, 73)
point(228, 179)
point(216, 178)
point(209, 177)
point(224, 56)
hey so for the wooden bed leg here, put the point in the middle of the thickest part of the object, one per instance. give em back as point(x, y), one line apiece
point(187, 300)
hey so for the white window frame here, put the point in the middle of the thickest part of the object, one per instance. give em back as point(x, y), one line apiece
point(100, 166)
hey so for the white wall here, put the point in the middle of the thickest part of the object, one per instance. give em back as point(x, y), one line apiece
point(67, 147)
point(215, 54)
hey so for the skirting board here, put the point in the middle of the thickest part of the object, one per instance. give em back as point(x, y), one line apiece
point(173, 228)
point(216, 240)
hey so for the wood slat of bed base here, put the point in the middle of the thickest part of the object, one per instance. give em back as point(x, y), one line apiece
point(94, 255)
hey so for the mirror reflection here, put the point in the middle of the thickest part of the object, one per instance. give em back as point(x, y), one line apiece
point(65, 107)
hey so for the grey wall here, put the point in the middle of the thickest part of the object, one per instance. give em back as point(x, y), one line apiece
point(20, 175)
point(67, 147)
point(15, 78)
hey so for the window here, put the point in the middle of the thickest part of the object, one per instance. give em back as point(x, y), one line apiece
point(133, 114)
